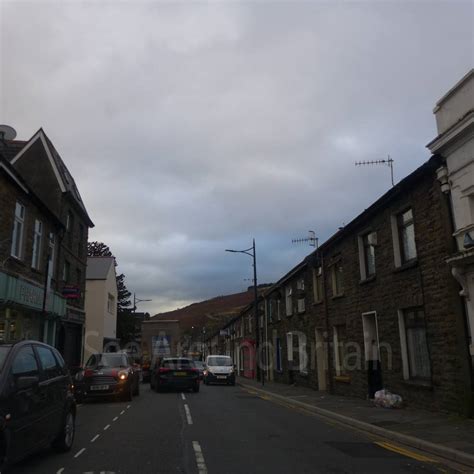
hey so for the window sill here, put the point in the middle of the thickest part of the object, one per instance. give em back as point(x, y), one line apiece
point(302, 312)
point(17, 260)
point(316, 303)
point(336, 297)
point(342, 378)
point(406, 266)
point(367, 280)
point(421, 384)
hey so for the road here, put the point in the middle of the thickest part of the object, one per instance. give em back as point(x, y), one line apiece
point(220, 430)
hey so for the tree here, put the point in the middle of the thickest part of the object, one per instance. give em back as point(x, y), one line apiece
point(99, 249)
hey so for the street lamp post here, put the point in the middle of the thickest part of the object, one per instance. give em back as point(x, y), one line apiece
point(135, 301)
point(251, 252)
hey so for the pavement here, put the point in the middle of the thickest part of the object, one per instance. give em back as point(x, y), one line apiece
point(221, 430)
point(449, 437)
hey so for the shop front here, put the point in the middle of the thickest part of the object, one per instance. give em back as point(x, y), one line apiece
point(21, 311)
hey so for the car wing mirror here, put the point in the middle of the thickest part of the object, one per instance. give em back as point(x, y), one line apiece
point(23, 383)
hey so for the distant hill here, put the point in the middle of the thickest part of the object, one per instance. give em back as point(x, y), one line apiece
point(211, 313)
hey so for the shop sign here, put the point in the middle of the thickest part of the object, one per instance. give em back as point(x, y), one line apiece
point(21, 292)
point(71, 292)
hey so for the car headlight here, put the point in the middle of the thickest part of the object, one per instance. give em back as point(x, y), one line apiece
point(123, 375)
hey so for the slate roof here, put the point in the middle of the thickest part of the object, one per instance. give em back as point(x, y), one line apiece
point(10, 148)
point(98, 267)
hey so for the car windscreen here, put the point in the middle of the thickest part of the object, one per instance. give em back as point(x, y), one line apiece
point(4, 350)
point(177, 364)
point(219, 362)
point(107, 360)
point(198, 364)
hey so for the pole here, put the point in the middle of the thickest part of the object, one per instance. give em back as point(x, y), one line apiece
point(257, 318)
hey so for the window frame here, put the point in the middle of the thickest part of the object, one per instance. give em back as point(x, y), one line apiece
point(318, 284)
point(337, 289)
point(288, 300)
point(37, 245)
point(18, 235)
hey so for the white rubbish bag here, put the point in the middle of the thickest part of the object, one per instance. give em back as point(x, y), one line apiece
point(386, 399)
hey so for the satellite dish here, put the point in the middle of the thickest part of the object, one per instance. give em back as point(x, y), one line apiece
point(7, 132)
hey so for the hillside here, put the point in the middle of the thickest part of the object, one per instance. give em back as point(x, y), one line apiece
point(209, 313)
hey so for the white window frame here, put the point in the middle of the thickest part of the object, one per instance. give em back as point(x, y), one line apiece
point(278, 309)
point(397, 252)
point(37, 244)
point(404, 347)
point(362, 257)
point(317, 276)
point(18, 231)
point(289, 300)
point(301, 305)
point(289, 346)
point(110, 303)
point(334, 271)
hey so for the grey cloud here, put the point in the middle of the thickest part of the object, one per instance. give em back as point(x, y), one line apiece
point(193, 127)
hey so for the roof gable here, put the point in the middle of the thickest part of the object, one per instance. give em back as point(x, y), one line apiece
point(99, 268)
point(40, 135)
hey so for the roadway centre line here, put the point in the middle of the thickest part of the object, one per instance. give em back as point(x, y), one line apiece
point(115, 419)
point(122, 412)
point(128, 406)
point(182, 396)
point(94, 438)
point(79, 452)
point(60, 470)
point(188, 414)
point(201, 464)
point(106, 427)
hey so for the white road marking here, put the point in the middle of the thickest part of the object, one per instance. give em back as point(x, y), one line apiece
point(201, 464)
point(188, 414)
point(79, 452)
point(128, 406)
point(122, 412)
point(106, 427)
point(94, 438)
point(183, 397)
point(60, 470)
point(115, 419)
point(78, 406)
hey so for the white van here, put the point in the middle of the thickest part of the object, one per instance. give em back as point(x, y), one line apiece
point(219, 369)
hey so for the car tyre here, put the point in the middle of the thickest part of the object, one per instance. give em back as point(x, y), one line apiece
point(65, 438)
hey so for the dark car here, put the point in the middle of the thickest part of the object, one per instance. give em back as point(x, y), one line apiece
point(145, 365)
point(37, 406)
point(108, 374)
point(174, 373)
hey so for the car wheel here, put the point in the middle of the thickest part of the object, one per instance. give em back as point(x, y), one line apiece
point(196, 388)
point(65, 438)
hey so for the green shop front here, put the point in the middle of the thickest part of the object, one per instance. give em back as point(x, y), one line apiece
point(21, 311)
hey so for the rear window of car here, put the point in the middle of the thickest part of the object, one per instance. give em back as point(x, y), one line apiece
point(219, 361)
point(177, 364)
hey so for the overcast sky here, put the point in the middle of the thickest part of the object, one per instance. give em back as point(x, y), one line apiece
point(193, 127)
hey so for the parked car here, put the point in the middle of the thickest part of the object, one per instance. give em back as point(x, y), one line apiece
point(37, 406)
point(174, 373)
point(219, 369)
point(108, 374)
point(199, 364)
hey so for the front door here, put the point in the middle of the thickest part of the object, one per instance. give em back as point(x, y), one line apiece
point(372, 353)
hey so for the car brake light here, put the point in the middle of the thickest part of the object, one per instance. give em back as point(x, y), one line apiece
point(88, 373)
point(163, 370)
